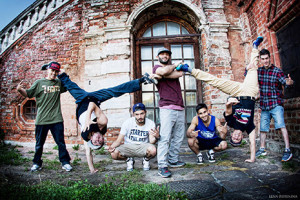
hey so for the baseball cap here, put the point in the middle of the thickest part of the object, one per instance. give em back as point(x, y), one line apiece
point(235, 144)
point(161, 50)
point(92, 146)
point(138, 106)
point(51, 65)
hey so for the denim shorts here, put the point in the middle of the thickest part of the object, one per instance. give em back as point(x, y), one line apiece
point(277, 114)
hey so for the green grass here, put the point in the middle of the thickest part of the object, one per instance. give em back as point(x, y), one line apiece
point(48, 153)
point(84, 190)
point(9, 155)
point(289, 166)
point(51, 164)
point(262, 157)
point(100, 151)
point(30, 152)
point(243, 143)
point(76, 160)
point(190, 165)
point(224, 156)
point(76, 147)
point(55, 147)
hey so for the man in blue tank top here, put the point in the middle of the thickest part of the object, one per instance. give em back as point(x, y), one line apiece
point(202, 134)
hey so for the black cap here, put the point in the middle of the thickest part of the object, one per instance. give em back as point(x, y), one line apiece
point(164, 50)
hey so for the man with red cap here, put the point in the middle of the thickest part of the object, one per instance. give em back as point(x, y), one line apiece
point(49, 117)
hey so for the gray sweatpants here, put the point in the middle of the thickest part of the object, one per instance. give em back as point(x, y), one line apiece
point(172, 132)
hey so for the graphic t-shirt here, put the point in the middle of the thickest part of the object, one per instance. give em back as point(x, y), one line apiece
point(207, 132)
point(135, 134)
point(47, 96)
point(242, 116)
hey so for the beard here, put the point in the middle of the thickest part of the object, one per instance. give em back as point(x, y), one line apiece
point(163, 62)
point(140, 121)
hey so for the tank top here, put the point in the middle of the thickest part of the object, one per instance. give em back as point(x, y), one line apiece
point(207, 132)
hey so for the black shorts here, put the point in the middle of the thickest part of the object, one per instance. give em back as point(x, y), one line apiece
point(206, 144)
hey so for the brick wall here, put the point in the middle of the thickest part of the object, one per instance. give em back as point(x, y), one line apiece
point(89, 37)
point(59, 38)
point(265, 18)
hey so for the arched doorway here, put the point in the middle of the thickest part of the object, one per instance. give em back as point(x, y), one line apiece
point(180, 37)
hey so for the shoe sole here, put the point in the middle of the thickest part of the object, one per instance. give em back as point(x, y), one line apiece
point(39, 169)
point(200, 163)
point(163, 175)
point(263, 154)
point(68, 170)
point(287, 159)
point(175, 166)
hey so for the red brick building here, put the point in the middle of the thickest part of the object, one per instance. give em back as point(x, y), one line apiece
point(103, 43)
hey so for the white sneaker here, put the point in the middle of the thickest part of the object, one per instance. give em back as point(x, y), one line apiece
point(130, 163)
point(211, 156)
point(35, 167)
point(199, 159)
point(67, 167)
point(146, 164)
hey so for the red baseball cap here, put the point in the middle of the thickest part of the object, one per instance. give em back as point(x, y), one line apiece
point(52, 65)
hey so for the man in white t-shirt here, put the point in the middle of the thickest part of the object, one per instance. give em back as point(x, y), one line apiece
point(140, 135)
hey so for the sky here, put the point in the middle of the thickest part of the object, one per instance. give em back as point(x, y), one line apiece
point(10, 9)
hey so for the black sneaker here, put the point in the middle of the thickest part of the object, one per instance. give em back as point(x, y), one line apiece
point(149, 80)
point(177, 164)
point(199, 159)
point(211, 156)
point(287, 155)
point(164, 172)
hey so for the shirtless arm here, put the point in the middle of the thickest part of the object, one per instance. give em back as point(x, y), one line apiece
point(88, 120)
point(252, 147)
point(221, 129)
point(89, 158)
point(191, 130)
point(116, 143)
point(21, 89)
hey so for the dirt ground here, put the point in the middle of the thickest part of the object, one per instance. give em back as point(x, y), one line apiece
point(268, 171)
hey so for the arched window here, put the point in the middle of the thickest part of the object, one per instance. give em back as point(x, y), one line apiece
point(29, 110)
point(182, 40)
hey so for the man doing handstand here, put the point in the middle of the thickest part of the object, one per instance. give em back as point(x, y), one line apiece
point(90, 117)
point(242, 108)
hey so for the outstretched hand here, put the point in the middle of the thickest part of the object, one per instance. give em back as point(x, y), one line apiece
point(88, 123)
point(21, 85)
point(223, 130)
point(110, 149)
point(250, 160)
point(94, 171)
point(232, 101)
point(194, 133)
point(289, 81)
point(154, 132)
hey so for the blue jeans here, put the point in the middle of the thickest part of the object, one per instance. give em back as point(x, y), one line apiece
point(277, 114)
point(101, 95)
point(57, 130)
